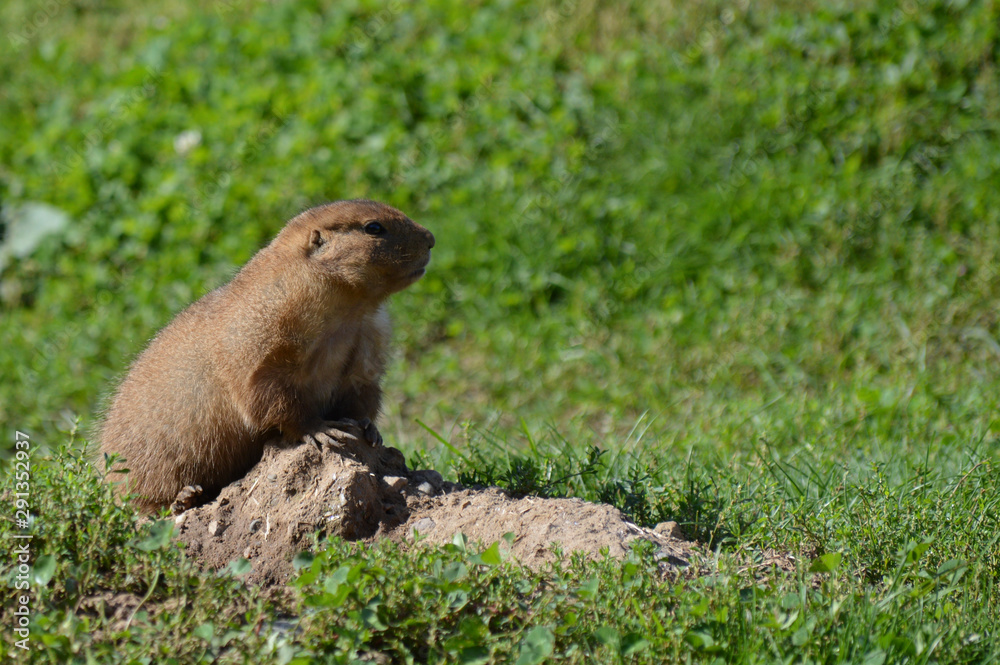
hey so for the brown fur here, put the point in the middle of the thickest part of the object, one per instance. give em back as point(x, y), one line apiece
point(299, 337)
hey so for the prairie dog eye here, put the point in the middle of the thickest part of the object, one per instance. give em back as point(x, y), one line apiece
point(374, 228)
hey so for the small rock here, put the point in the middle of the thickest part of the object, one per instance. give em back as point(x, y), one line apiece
point(423, 525)
point(273, 477)
point(186, 499)
point(255, 526)
point(426, 489)
point(428, 476)
point(397, 483)
point(664, 555)
point(285, 626)
point(215, 528)
point(669, 530)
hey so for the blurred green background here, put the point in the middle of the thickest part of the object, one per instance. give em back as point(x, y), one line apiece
point(716, 222)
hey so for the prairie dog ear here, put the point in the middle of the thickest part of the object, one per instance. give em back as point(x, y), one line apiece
point(316, 240)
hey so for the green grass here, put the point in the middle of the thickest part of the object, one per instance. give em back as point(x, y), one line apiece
point(736, 265)
point(880, 597)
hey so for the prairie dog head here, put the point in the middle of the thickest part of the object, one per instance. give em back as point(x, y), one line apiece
point(371, 249)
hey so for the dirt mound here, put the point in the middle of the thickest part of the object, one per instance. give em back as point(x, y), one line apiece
point(537, 524)
point(360, 492)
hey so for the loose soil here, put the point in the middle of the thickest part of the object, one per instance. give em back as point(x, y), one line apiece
point(363, 492)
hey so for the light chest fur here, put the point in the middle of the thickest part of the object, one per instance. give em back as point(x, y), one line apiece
point(350, 353)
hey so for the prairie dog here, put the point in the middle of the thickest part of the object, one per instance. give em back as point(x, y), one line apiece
point(294, 347)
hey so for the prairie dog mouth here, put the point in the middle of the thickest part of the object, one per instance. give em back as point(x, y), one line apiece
point(420, 270)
